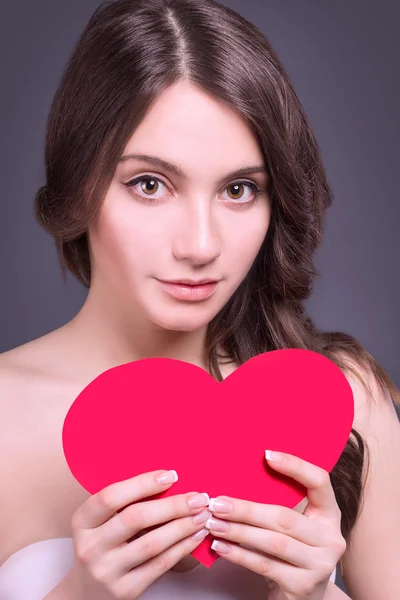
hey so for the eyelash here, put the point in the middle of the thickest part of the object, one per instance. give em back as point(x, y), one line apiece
point(151, 200)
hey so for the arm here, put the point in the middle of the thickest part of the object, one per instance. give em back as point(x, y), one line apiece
point(73, 588)
point(65, 590)
point(371, 560)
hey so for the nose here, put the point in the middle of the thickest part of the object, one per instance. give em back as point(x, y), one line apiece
point(197, 240)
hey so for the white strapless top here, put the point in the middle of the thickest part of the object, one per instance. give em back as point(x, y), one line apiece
point(35, 570)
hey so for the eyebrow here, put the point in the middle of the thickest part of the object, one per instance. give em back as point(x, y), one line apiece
point(160, 162)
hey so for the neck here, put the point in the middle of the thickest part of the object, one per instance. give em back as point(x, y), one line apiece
point(109, 336)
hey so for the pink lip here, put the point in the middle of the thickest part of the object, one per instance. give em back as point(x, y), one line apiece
point(183, 291)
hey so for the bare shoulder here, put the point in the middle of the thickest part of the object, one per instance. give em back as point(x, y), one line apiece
point(20, 381)
point(27, 382)
point(376, 420)
point(35, 357)
point(18, 367)
point(370, 397)
point(35, 477)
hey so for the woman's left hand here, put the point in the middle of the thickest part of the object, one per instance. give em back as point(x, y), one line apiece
point(296, 553)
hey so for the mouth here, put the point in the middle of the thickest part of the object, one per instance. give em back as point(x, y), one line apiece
point(190, 291)
point(191, 282)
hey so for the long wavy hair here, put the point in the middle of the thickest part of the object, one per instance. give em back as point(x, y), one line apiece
point(129, 52)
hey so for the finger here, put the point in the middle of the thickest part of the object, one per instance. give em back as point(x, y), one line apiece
point(99, 507)
point(135, 582)
point(287, 576)
point(317, 481)
point(276, 544)
point(272, 517)
point(143, 515)
point(156, 542)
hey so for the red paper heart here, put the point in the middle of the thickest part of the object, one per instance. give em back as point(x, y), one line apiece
point(161, 413)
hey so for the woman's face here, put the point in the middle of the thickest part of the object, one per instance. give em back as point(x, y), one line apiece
point(202, 223)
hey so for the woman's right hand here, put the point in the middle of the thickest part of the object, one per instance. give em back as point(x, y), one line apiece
point(112, 545)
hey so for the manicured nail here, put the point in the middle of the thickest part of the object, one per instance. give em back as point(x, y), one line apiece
point(220, 546)
point(202, 517)
point(168, 477)
point(220, 505)
point(273, 456)
point(200, 535)
point(217, 525)
point(199, 501)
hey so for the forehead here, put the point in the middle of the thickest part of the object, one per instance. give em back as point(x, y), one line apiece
point(191, 128)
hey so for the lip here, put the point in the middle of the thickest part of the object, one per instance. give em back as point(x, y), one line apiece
point(190, 281)
point(193, 293)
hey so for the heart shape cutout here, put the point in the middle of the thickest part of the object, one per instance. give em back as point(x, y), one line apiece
point(161, 413)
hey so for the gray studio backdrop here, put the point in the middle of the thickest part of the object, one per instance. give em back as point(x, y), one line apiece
point(343, 61)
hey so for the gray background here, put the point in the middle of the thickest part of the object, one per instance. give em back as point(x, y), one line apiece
point(343, 61)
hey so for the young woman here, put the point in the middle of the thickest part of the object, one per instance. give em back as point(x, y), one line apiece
point(177, 150)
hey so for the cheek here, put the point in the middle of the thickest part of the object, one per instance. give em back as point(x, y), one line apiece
point(245, 240)
point(119, 244)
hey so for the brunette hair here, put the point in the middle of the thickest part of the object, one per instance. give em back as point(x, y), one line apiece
point(129, 52)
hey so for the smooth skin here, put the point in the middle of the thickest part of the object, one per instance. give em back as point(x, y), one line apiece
point(103, 528)
point(197, 225)
point(296, 552)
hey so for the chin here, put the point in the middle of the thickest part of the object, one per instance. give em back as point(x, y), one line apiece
point(179, 319)
point(181, 324)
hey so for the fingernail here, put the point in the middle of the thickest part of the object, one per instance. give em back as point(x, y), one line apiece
point(200, 535)
point(273, 456)
point(217, 525)
point(201, 517)
point(168, 477)
point(219, 505)
point(199, 500)
point(220, 546)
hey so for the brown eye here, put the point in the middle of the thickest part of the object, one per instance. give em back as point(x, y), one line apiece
point(236, 187)
point(237, 192)
point(149, 185)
